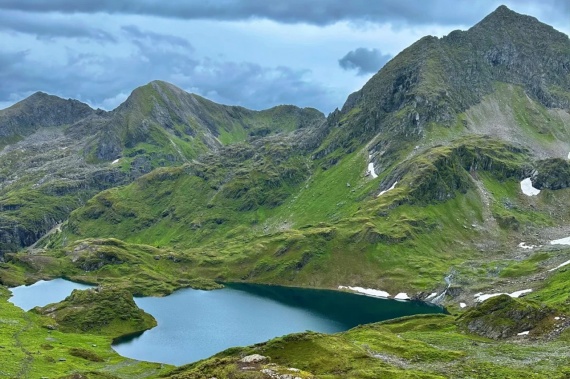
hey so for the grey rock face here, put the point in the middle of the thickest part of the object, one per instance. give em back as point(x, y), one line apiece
point(434, 80)
point(40, 111)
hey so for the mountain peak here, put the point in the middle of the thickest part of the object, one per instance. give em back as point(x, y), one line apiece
point(435, 80)
point(38, 95)
point(159, 85)
point(506, 21)
point(40, 110)
point(156, 90)
point(504, 13)
point(503, 10)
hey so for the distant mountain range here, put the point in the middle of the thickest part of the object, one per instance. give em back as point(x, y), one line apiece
point(58, 153)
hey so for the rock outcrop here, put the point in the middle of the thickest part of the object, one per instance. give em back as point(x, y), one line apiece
point(105, 310)
point(503, 317)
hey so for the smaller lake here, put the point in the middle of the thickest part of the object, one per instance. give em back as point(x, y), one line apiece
point(194, 324)
point(43, 293)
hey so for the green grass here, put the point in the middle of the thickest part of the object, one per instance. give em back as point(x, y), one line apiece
point(555, 291)
point(525, 267)
point(329, 195)
point(412, 347)
point(264, 218)
point(106, 310)
point(29, 349)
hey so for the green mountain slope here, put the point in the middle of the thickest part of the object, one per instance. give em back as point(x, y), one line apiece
point(428, 86)
point(414, 186)
point(162, 122)
point(59, 153)
point(449, 154)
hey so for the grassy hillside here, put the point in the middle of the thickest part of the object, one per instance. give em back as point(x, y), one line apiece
point(29, 349)
point(415, 347)
point(106, 311)
point(59, 153)
point(276, 217)
point(413, 186)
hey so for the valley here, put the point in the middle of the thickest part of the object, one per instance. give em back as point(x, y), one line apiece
point(445, 179)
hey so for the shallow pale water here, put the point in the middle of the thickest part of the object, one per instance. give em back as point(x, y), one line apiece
point(43, 293)
point(194, 324)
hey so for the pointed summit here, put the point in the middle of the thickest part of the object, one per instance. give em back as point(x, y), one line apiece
point(185, 125)
point(436, 80)
point(505, 15)
point(504, 12)
point(38, 111)
point(506, 21)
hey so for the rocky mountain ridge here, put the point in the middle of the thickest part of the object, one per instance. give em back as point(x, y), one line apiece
point(445, 179)
point(435, 80)
point(58, 153)
point(40, 110)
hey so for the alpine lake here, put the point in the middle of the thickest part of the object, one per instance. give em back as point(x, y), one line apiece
point(196, 324)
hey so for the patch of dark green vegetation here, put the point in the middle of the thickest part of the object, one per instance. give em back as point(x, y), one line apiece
point(85, 354)
point(552, 174)
point(106, 311)
point(503, 316)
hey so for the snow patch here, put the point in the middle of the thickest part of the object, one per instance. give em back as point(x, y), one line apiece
point(371, 170)
point(519, 293)
point(525, 246)
point(402, 296)
point(561, 241)
point(528, 189)
point(389, 189)
point(366, 291)
point(523, 333)
point(116, 161)
point(560, 265)
point(568, 155)
point(557, 318)
point(482, 297)
point(431, 296)
point(488, 296)
point(462, 305)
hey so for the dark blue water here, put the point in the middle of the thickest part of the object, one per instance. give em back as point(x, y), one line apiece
point(194, 324)
point(43, 293)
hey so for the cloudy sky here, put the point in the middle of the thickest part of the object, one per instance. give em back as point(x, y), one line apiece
point(254, 53)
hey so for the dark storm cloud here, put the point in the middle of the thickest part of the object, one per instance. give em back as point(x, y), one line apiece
point(320, 12)
point(46, 28)
point(156, 56)
point(365, 61)
point(156, 38)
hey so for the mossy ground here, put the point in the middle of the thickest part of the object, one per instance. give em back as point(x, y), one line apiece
point(107, 311)
point(414, 347)
point(28, 349)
